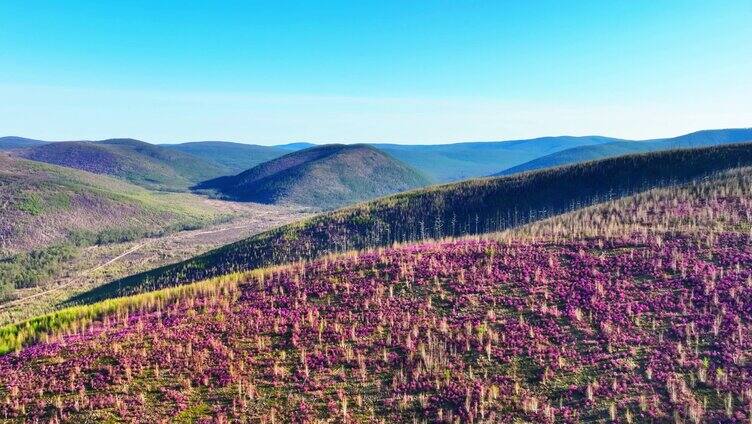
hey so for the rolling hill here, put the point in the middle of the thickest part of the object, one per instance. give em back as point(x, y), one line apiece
point(12, 143)
point(616, 148)
point(47, 212)
point(323, 177)
point(469, 207)
point(648, 322)
point(141, 163)
point(232, 157)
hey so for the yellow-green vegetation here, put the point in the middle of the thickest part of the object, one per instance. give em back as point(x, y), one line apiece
point(31, 205)
point(76, 318)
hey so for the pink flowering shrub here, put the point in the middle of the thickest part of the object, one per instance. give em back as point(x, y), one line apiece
point(643, 326)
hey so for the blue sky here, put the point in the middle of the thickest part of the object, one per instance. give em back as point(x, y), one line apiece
point(352, 71)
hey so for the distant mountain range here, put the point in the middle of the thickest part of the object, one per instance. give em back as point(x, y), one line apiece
point(458, 161)
point(293, 147)
point(623, 147)
point(453, 162)
point(324, 177)
point(440, 163)
point(141, 163)
point(232, 157)
point(180, 166)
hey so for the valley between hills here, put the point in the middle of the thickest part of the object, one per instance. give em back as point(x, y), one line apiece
point(99, 264)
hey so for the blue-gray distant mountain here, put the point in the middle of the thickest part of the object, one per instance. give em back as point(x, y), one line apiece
point(617, 148)
point(234, 157)
point(323, 177)
point(440, 163)
point(11, 143)
point(452, 162)
point(294, 147)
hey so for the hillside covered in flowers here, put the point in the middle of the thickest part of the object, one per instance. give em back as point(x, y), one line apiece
point(637, 310)
point(472, 207)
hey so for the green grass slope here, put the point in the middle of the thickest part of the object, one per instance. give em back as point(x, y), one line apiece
point(48, 211)
point(141, 163)
point(617, 148)
point(469, 207)
point(322, 177)
point(234, 157)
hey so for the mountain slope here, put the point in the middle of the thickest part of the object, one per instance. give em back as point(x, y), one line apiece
point(600, 151)
point(646, 326)
point(11, 143)
point(47, 212)
point(141, 163)
point(323, 177)
point(469, 207)
point(233, 157)
point(452, 162)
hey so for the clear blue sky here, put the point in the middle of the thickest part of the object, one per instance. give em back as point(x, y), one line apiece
point(401, 71)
